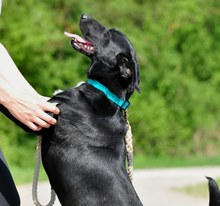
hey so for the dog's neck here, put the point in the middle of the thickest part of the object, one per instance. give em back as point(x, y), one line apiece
point(110, 77)
point(120, 102)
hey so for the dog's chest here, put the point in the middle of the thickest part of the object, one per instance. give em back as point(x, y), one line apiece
point(80, 118)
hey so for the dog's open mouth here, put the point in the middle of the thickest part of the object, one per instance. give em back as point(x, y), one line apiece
point(81, 43)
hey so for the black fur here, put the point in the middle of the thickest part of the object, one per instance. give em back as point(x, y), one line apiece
point(214, 193)
point(84, 153)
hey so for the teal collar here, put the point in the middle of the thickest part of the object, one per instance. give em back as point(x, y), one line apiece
point(120, 102)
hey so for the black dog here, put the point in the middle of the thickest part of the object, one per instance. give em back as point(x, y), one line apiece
point(214, 193)
point(84, 153)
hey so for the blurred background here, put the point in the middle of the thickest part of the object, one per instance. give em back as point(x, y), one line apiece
point(175, 120)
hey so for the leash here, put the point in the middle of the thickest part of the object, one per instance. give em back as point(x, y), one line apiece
point(36, 175)
point(129, 147)
point(128, 139)
point(124, 105)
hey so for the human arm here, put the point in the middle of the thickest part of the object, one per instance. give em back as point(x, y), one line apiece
point(19, 97)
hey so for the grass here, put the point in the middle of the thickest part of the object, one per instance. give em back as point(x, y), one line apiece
point(199, 190)
point(141, 162)
point(25, 174)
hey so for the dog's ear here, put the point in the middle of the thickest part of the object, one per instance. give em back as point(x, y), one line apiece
point(137, 76)
point(122, 63)
point(129, 69)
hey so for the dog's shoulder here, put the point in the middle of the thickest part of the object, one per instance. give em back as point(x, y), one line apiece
point(84, 103)
point(63, 96)
point(72, 101)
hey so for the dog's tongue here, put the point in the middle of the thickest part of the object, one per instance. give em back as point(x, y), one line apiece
point(78, 38)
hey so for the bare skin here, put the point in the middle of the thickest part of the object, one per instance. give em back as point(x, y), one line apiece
point(20, 98)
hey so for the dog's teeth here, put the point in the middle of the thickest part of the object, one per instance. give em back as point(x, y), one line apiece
point(92, 48)
point(77, 45)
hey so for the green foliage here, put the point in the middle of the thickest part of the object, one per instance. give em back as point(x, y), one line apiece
point(180, 102)
point(177, 45)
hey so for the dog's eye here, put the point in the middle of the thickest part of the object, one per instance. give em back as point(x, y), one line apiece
point(125, 59)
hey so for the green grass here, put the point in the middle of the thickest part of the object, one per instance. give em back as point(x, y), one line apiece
point(141, 162)
point(25, 174)
point(199, 190)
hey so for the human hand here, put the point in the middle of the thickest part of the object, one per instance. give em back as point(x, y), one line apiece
point(20, 98)
point(30, 110)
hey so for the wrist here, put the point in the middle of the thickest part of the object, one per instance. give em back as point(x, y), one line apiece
point(7, 93)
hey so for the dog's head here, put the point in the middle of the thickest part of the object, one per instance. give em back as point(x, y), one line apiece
point(113, 56)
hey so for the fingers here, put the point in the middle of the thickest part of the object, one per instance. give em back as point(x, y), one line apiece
point(33, 126)
point(45, 119)
point(42, 123)
point(39, 119)
point(50, 107)
point(38, 124)
point(55, 110)
point(31, 110)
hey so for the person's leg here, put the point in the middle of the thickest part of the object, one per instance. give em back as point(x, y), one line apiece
point(8, 192)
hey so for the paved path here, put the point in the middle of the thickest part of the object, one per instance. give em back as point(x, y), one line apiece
point(154, 187)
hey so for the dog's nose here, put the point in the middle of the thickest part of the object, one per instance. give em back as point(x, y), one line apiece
point(84, 16)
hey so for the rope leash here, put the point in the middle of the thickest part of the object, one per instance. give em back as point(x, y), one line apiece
point(36, 175)
point(129, 147)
